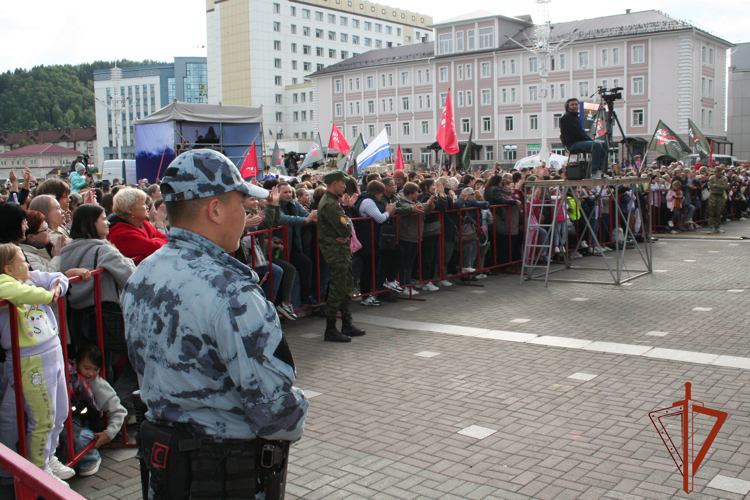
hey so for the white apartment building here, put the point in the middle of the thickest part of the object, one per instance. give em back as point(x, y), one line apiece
point(260, 53)
point(669, 70)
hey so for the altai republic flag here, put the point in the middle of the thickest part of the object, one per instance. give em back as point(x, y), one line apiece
point(338, 141)
point(399, 165)
point(698, 140)
point(315, 154)
point(667, 142)
point(446, 134)
point(250, 163)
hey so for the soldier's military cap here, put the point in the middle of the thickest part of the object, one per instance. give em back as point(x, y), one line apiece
point(201, 173)
point(336, 175)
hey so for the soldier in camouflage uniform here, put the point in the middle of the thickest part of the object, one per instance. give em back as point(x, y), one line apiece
point(334, 233)
point(717, 185)
point(212, 362)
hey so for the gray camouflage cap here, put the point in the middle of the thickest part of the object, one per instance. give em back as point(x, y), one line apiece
point(202, 173)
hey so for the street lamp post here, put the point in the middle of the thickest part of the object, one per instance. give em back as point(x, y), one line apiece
point(543, 48)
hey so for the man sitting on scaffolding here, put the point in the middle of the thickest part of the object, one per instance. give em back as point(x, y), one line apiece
point(577, 140)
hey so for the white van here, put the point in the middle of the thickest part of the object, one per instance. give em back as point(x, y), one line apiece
point(119, 169)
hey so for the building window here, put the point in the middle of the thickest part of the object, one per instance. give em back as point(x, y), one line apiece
point(370, 82)
point(388, 130)
point(371, 130)
point(446, 43)
point(460, 72)
point(504, 96)
point(486, 72)
point(486, 97)
point(425, 127)
point(277, 45)
point(307, 67)
point(331, 53)
point(306, 13)
point(390, 79)
point(368, 26)
point(533, 122)
point(378, 28)
point(443, 97)
point(509, 124)
point(556, 120)
point(460, 41)
point(371, 107)
point(277, 63)
point(293, 10)
point(711, 86)
point(486, 124)
point(637, 85)
point(465, 125)
point(637, 118)
point(512, 66)
point(355, 39)
point(443, 74)
point(583, 59)
point(404, 78)
point(406, 129)
point(469, 100)
point(344, 37)
point(605, 57)
point(427, 76)
point(509, 152)
point(295, 116)
point(513, 94)
point(319, 51)
point(405, 103)
point(344, 55)
point(460, 99)
point(638, 54)
point(533, 93)
point(343, 21)
point(703, 117)
point(486, 38)
point(470, 40)
point(583, 89)
point(277, 26)
point(533, 65)
point(355, 23)
point(304, 116)
point(277, 80)
point(276, 8)
point(710, 58)
point(295, 98)
point(279, 116)
point(339, 109)
point(710, 118)
point(337, 86)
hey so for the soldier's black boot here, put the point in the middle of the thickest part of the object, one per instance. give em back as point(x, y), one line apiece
point(332, 334)
point(347, 328)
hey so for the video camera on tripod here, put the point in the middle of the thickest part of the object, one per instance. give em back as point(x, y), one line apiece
point(610, 95)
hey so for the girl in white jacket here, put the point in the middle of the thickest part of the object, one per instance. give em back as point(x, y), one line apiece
point(42, 364)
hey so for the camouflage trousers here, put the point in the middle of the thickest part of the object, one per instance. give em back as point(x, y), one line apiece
point(715, 210)
point(340, 287)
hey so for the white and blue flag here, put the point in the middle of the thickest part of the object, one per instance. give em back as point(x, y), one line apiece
point(377, 150)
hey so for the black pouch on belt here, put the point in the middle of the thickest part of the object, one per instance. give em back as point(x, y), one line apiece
point(169, 467)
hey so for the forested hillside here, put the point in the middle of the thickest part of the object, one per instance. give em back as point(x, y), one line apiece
point(48, 97)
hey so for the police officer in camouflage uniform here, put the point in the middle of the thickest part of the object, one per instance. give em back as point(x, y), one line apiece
point(717, 186)
point(334, 233)
point(214, 368)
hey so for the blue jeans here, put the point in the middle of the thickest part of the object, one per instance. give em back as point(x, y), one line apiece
point(597, 149)
point(276, 274)
point(84, 438)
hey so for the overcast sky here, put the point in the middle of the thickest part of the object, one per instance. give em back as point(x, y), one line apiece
point(54, 32)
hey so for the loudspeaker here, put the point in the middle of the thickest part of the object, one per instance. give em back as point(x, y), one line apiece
point(578, 171)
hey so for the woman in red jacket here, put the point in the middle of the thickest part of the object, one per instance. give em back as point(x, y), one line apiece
point(129, 229)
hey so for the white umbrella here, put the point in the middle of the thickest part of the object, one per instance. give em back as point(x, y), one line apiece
point(555, 162)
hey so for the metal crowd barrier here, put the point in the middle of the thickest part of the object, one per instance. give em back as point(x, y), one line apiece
point(73, 458)
point(30, 481)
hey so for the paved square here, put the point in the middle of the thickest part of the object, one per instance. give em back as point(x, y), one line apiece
point(565, 396)
point(477, 431)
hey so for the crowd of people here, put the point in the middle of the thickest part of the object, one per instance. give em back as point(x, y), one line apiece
point(404, 233)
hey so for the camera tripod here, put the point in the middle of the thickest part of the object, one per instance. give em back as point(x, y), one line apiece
point(609, 115)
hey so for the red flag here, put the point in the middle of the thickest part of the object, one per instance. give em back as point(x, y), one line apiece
point(399, 160)
point(338, 141)
point(446, 135)
point(250, 163)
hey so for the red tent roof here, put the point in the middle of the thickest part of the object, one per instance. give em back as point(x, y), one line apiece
point(41, 149)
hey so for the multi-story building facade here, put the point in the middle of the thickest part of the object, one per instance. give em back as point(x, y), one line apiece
point(738, 121)
point(261, 51)
point(79, 139)
point(669, 70)
point(43, 160)
point(146, 89)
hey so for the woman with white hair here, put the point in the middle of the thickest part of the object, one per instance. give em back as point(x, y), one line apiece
point(129, 229)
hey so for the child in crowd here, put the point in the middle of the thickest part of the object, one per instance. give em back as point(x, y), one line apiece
point(92, 396)
point(674, 203)
point(41, 360)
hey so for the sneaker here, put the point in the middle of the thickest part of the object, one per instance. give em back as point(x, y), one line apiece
point(717, 230)
point(91, 469)
point(409, 291)
point(598, 250)
point(742, 218)
point(444, 283)
point(576, 255)
point(430, 287)
point(59, 469)
point(689, 221)
point(392, 285)
point(467, 269)
point(557, 250)
point(370, 301)
point(597, 175)
point(584, 245)
point(285, 309)
point(673, 232)
point(48, 470)
point(480, 276)
point(670, 223)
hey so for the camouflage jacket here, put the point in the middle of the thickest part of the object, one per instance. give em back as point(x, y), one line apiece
point(207, 345)
point(332, 224)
